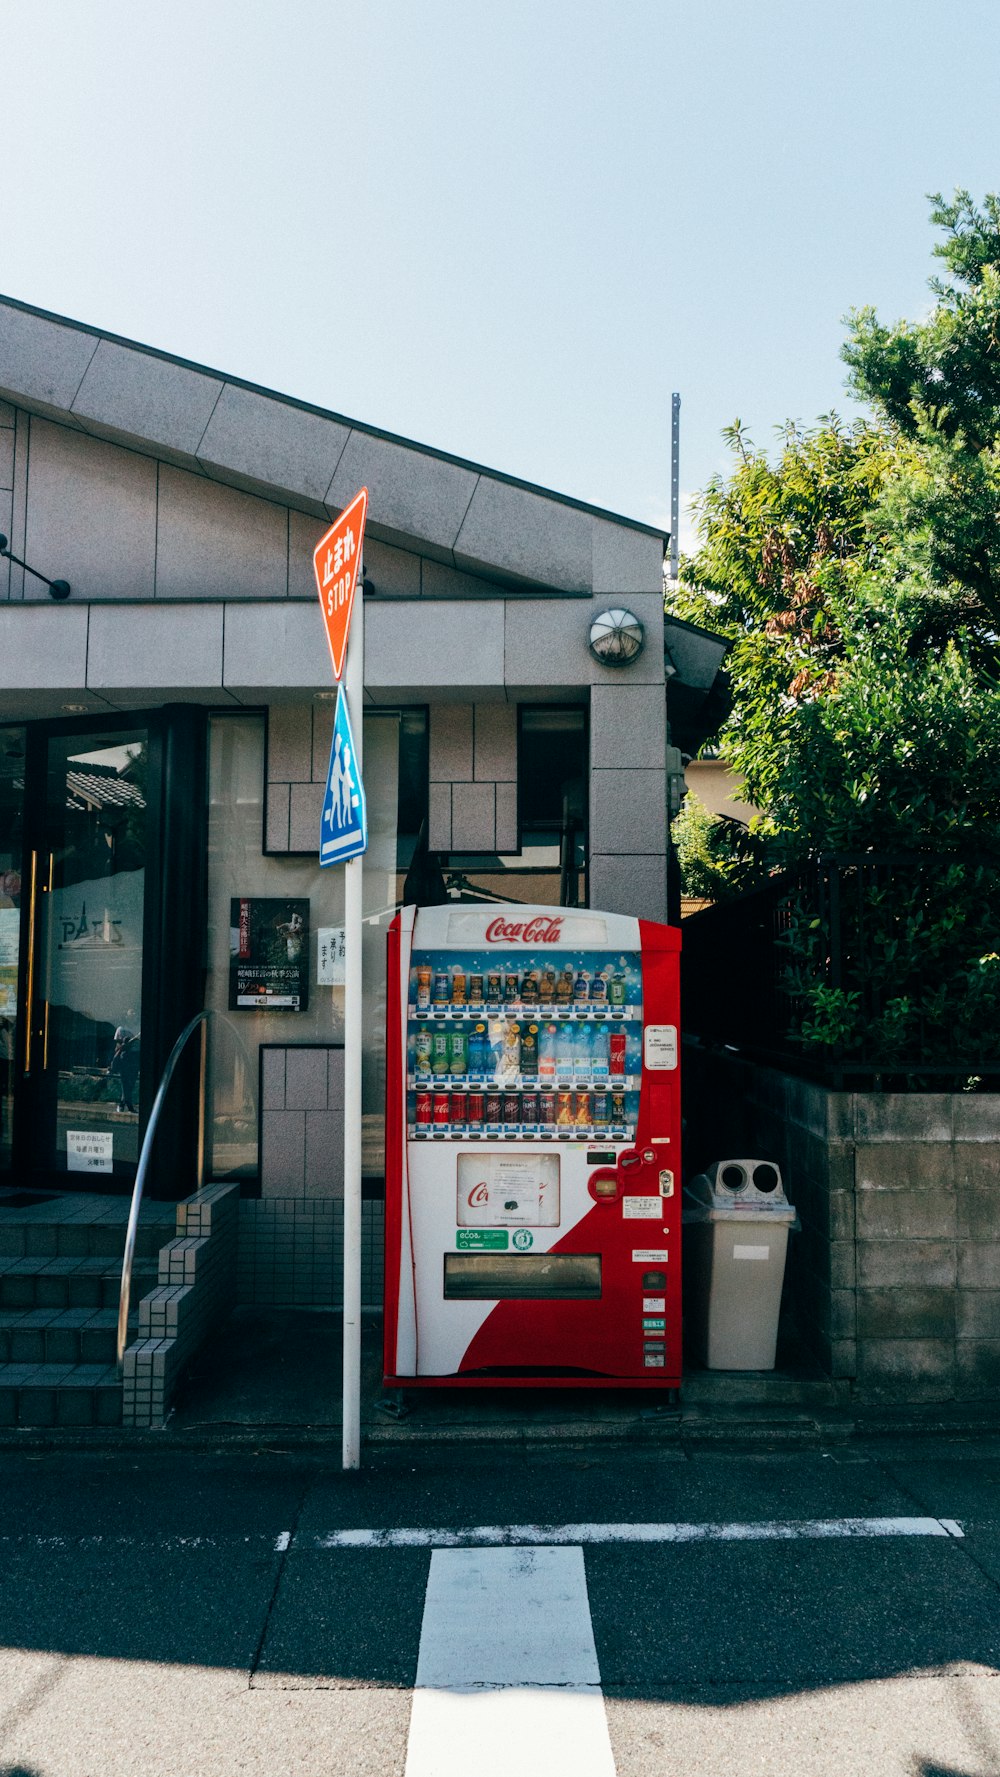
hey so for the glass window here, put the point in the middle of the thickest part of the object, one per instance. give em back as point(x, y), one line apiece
point(12, 746)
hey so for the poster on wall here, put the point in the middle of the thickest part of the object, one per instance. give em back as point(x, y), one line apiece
point(268, 954)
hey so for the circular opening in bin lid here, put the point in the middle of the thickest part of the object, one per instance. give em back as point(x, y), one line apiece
point(765, 1178)
point(733, 1178)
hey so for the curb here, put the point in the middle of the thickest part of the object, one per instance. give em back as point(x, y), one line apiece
point(673, 1432)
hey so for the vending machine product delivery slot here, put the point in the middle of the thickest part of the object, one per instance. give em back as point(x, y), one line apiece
point(532, 1149)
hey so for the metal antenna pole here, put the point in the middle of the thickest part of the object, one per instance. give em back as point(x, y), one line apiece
point(675, 485)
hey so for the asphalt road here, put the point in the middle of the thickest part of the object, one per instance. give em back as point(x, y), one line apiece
point(190, 1613)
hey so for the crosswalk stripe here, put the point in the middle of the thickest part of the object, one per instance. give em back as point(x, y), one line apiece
point(507, 1673)
point(553, 1535)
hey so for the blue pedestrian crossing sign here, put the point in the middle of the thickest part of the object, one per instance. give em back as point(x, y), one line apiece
point(343, 829)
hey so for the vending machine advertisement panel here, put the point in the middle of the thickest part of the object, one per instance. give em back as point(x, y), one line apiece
point(532, 1149)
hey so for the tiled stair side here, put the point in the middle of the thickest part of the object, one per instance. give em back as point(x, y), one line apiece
point(196, 1289)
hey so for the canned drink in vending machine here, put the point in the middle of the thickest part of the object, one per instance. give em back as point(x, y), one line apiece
point(547, 1109)
point(616, 991)
point(529, 1109)
point(512, 1109)
point(529, 1050)
point(478, 1051)
point(564, 1109)
point(439, 1052)
point(494, 989)
point(581, 1111)
point(602, 1110)
point(458, 1052)
point(511, 990)
point(494, 1109)
point(477, 1111)
point(458, 989)
point(617, 1041)
point(617, 1107)
point(442, 1107)
point(547, 988)
point(599, 991)
point(423, 987)
point(423, 1045)
point(475, 990)
point(424, 1109)
point(442, 989)
point(459, 1109)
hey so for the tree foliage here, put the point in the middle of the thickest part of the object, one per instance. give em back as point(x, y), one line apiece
point(858, 577)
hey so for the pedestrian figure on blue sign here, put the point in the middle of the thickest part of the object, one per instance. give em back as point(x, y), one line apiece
point(344, 825)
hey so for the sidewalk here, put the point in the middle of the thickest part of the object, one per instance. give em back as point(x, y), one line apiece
point(275, 1375)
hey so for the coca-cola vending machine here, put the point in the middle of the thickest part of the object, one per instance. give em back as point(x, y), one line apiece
point(532, 1149)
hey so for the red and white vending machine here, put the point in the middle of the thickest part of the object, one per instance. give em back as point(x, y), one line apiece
point(533, 1128)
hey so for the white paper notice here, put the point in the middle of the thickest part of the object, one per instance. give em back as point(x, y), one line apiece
point(660, 1045)
point(88, 1152)
point(331, 957)
point(507, 1191)
point(641, 1209)
point(649, 1255)
point(751, 1252)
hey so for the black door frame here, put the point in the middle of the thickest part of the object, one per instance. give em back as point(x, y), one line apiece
point(172, 945)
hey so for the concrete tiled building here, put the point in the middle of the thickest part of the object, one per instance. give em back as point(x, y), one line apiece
point(164, 735)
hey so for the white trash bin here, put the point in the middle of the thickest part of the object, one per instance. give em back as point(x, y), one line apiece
point(736, 1223)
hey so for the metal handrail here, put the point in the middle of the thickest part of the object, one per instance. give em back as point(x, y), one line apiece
point(124, 1298)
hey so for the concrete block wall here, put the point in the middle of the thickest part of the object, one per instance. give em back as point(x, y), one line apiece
point(895, 1278)
point(473, 777)
point(196, 1289)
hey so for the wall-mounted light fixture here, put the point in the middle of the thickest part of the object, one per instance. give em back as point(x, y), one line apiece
point(58, 589)
point(616, 638)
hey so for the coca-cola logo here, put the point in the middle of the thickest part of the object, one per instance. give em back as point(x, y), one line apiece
point(540, 930)
point(478, 1197)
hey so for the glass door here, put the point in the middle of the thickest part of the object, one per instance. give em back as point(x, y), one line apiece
point(85, 881)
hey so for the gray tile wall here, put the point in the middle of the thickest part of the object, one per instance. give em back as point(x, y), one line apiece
point(298, 752)
point(291, 1251)
point(302, 1122)
point(473, 777)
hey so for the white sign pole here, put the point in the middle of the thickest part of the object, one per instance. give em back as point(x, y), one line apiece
point(354, 680)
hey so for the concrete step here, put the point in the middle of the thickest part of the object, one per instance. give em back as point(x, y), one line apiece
point(758, 1388)
point(35, 1239)
point(61, 1335)
point(69, 1283)
point(60, 1395)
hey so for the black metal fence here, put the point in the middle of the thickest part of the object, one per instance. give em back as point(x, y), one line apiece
point(858, 969)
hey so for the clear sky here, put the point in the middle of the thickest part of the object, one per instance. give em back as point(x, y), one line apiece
point(508, 230)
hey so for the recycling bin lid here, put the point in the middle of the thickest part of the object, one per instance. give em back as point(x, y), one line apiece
point(738, 1190)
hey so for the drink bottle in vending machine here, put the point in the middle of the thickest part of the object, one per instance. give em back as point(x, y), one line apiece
point(532, 1149)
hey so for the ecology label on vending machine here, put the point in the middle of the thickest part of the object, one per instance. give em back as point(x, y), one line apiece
point(492, 1240)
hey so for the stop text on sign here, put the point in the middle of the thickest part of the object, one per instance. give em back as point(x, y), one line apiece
point(336, 561)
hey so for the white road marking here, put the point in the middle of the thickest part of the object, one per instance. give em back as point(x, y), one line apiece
point(284, 1538)
point(540, 1535)
point(507, 1674)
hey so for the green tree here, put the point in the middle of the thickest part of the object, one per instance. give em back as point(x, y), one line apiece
point(858, 575)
